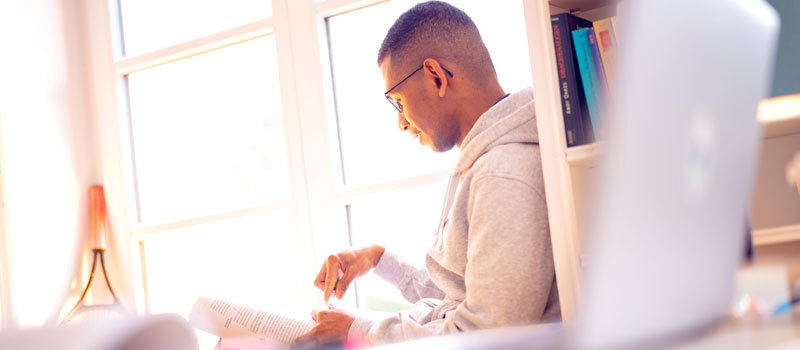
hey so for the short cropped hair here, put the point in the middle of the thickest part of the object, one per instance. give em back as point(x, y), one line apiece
point(437, 29)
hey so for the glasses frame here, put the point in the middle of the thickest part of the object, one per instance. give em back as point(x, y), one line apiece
point(398, 106)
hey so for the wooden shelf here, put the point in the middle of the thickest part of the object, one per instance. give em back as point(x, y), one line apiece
point(580, 5)
point(585, 155)
point(777, 235)
point(782, 127)
point(780, 115)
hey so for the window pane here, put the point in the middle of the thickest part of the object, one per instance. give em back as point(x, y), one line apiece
point(502, 27)
point(207, 133)
point(148, 25)
point(248, 259)
point(414, 214)
point(373, 149)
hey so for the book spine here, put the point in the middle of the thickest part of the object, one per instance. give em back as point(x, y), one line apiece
point(588, 73)
point(567, 86)
point(602, 83)
point(607, 43)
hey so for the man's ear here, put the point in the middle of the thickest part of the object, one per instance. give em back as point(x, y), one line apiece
point(439, 77)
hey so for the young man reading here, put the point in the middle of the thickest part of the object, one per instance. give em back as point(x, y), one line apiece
point(492, 263)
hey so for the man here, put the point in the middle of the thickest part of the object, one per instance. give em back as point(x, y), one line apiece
point(492, 262)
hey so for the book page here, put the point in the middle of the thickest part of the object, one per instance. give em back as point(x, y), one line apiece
point(258, 326)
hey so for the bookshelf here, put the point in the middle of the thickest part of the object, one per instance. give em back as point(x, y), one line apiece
point(780, 117)
point(777, 235)
point(567, 170)
point(584, 155)
point(782, 127)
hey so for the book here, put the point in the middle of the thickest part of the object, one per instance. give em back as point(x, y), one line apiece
point(159, 332)
point(244, 326)
point(602, 82)
point(607, 44)
point(590, 77)
point(577, 124)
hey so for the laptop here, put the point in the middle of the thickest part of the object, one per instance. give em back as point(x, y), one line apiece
point(681, 157)
point(668, 215)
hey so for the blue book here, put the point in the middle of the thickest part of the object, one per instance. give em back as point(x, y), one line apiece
point(598, 64)
point(577, 125)
point(589, 78)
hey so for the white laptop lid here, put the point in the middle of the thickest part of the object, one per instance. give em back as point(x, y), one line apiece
point(668, 219)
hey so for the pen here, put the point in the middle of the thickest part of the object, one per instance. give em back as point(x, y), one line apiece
point(335, 284)
point(333, 292)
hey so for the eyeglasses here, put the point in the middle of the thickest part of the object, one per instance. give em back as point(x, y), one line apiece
point(398, 105)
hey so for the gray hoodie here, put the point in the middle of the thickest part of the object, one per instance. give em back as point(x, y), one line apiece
point(492, 263)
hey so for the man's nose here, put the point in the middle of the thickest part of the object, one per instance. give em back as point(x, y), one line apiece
point(402, 122)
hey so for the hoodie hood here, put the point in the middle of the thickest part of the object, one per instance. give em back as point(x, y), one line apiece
point(512, 120)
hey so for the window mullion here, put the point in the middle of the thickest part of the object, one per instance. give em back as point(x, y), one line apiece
point(194, 47)
point(305, 38)
point(109, 129)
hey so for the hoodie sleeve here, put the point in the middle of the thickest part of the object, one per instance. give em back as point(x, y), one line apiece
point(509, 272)
point(414, 283)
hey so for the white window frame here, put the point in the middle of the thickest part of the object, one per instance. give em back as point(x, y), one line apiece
point(112, 125)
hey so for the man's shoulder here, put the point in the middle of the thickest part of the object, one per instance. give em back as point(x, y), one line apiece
point(516, 161)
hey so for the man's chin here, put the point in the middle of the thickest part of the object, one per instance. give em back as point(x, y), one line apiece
point(435, 146)
point(438, 148)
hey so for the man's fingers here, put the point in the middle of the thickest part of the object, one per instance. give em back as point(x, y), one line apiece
point(306, 339)
point(344, 283)
point(333, 264)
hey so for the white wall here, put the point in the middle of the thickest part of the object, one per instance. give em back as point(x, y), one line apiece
point(49, 156)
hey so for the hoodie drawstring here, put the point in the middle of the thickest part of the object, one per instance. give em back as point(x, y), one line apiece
point(449, 197)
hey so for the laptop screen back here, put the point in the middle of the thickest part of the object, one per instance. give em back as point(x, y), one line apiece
point(682, 141)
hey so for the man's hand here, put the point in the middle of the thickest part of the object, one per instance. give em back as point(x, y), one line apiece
point(352, 263)
point(332, 327)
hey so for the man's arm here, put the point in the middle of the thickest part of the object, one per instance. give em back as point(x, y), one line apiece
point(333, 325)
point(414, 283)
point(509, 273)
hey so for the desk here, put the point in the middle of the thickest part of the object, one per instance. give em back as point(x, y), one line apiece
point(775, 334)
point(778, 333)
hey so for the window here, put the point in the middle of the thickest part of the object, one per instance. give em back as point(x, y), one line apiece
point(148, 25)
point(212, 196)
point(237, 257)
point(208, 134)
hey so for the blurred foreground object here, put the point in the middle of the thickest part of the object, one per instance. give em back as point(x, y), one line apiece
point(793, 172)
point(161, 332)
point(667, 221)
point(760, 290)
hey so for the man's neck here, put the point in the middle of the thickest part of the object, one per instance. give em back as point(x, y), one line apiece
point(474, 107)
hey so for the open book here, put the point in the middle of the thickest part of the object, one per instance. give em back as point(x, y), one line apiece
point(160, 332)
point(246, 326)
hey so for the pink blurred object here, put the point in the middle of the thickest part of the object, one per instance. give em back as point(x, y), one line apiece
point(793, 172)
